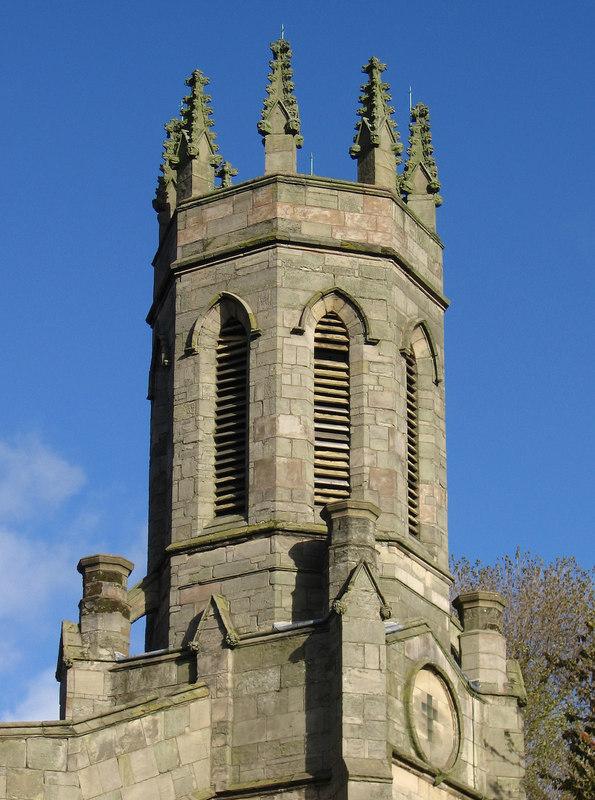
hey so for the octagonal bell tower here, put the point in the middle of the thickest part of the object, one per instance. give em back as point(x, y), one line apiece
point(297, 363)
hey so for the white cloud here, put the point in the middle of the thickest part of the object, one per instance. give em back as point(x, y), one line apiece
point(32, 572)
point(46, 524)
point(40, 701)
point(37, 564)
point(34, 479)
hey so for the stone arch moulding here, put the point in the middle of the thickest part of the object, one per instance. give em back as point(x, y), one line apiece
point(409, 345)
point(343, 304)
point(217, 303)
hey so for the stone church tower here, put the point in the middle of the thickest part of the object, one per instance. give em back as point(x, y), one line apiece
point(299, 636)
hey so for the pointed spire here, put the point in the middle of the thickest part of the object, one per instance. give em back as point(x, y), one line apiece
point(280, 123)
point(376, 142)
point(189, 151)
point(420, 183)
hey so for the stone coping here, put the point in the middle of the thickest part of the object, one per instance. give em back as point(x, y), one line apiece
point(420, 627)
point(276, 784)
point(123, 713)
point(99, 560)
point(416, 550)
point(408, 760)
point(269, 239)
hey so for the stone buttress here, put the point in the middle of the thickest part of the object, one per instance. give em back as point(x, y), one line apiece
point(299, 635)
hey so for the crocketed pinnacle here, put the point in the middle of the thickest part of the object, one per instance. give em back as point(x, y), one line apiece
point(280, 96)
point(420, 154)
point(375, 114)
point(169, 167)
point(184, 137)
point(171, 147)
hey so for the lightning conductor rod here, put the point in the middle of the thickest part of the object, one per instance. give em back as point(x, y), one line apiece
point(410, 99)
point(311, 163)
point(282, 31)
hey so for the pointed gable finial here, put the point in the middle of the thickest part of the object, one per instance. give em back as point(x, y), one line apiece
point(420, 183)
point(280, 123)
point(376, 142)
point(189, 151)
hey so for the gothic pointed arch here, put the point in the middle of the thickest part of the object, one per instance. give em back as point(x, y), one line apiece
point(340, 302)
point(226, 304)
point(337, 330)
point(421, 379)
point(221, 340)
point(419, 340)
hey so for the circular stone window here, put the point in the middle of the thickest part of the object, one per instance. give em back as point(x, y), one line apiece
point(434, 718)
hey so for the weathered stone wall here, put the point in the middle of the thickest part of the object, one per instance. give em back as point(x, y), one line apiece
point(285, 250)
point(159, 748)
point(280, 708)
point(411, 784)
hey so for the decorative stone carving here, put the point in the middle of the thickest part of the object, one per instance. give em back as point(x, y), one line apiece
point(196, 113)
point(339, 607)
point(167, 180)
point(376, 142)
point(189, 150)
point(280, 124)
point(225, 173)
point(434, 717)
point(420, 152)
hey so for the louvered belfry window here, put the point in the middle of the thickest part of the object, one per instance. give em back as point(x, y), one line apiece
point(412, 445)
point(231, 419)
point(331, 410)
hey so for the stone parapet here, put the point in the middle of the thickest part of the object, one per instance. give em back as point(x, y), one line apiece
point(329, 212)
point(157, 748)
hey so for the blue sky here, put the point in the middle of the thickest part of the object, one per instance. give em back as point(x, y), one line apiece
point(86, 89)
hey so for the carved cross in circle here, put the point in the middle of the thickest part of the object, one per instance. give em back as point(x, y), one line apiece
point(431, 714)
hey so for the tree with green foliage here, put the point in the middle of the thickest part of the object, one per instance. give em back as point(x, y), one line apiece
point(579, 733)
point(546, 627)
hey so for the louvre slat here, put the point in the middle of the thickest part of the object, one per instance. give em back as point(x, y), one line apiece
point(412, 445)
point(231, 413)
point(331, 410)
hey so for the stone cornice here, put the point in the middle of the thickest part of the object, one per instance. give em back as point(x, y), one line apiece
point(272, 239)
point(241, 533)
